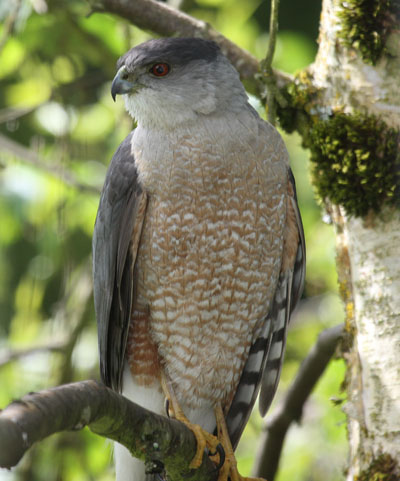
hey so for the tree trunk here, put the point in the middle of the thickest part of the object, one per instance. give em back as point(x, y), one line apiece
point(357, 73)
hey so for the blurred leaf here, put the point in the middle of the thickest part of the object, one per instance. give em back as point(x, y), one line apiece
point(93, 123)
point(11, 57)
point(294, 51)
point(28, 93)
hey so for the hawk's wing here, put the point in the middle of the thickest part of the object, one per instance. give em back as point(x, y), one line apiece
point(264, 363)
point(115, 243)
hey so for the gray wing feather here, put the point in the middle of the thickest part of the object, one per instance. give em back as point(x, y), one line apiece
point(287, 295)
point(113, 262)
point(264, 363)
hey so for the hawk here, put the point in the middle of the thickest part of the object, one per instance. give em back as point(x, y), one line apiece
point(198, 248)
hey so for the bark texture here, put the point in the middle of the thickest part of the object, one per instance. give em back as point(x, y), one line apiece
point(157, 440)
point(351, 82)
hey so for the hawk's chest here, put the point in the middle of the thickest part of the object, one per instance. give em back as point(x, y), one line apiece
point(209, 260)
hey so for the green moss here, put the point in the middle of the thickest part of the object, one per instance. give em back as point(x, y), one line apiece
point(366, 24)
point(381, 469)
point(355, 162)
point(355, 159)
point(300, 96)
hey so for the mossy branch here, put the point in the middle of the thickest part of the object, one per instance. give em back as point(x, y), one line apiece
point(157, 440)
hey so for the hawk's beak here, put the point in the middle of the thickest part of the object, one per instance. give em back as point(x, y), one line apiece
point(121, 84)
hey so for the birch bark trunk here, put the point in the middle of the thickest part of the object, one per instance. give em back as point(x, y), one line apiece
point(368, 254)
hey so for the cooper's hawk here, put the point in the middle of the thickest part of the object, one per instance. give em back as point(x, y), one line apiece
point(198, 247)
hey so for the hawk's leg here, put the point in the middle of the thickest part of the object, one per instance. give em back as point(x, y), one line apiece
point(229, 469)
point(204, 438)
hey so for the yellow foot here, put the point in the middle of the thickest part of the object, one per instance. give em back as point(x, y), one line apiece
point(223, 457)
point(229, 469)
point(204, 439)
point(231, 472)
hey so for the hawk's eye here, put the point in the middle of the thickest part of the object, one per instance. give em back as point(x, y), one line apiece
point(160, 69)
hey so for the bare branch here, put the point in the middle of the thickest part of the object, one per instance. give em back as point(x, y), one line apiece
point(13, 113)
point(10, 355)
point(167, 21)
point(31, 157)
point(157, 440)
point(290, 410)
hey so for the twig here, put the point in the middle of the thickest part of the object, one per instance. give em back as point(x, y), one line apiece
point(273, 31)
point(290, 410)
point(12, 113)
point(268, 75)
point(157, 440)
point(11, 355)
point(31, 157)
point(267, 66)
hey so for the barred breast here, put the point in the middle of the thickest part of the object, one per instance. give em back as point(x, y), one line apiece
point(210, 251)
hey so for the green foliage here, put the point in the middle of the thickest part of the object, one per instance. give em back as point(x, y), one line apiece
point(366, 24)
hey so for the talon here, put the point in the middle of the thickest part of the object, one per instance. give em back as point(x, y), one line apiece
point(166, 407)
point(219, 449)
point(221, 452)
point(204, 439)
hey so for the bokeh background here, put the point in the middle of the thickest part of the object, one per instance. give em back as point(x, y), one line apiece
point(58, 130)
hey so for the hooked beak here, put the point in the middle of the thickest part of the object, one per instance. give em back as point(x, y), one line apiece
point(120, 84)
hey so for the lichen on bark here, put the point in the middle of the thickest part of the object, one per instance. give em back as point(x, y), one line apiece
point(382, 468)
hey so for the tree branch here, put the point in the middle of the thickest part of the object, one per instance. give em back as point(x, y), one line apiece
point(9, 355)
point(31, 157)
point(167, 21)
point(157, 440)
point(291, 409)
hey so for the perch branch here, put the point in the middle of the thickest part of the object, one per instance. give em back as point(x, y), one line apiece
point(290, 410)
point(157, 440)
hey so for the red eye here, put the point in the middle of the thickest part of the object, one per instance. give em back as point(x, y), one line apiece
point(160, 69)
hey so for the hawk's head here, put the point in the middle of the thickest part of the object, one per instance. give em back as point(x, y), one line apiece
point(169, 81)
